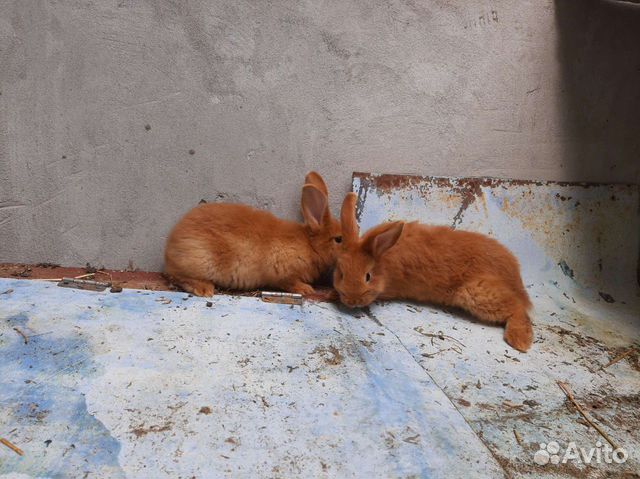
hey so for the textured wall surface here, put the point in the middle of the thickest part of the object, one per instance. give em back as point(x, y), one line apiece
point(117, 116)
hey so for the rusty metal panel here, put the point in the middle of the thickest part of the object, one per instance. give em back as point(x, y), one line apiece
point(160, 384)
point(578, 246)
point(586, 233)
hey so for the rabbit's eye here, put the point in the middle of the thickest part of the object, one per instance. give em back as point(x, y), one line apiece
point(338, 239)
point(367, 277)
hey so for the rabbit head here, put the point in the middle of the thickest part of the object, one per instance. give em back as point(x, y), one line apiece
point(323, 230)
point(358, 277)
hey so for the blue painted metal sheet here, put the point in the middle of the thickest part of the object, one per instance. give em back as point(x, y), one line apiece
point(126, 385)
point(148, 384)
point(583, 235)
point(578, 246)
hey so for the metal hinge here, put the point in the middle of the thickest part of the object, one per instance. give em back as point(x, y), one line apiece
point(283, 298)
point(83, 284)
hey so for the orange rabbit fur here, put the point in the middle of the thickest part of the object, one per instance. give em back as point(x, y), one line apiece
point(238, 247)
point(434, 264)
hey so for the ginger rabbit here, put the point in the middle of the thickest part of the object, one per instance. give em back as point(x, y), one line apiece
point(434, 264)
point(235, 246)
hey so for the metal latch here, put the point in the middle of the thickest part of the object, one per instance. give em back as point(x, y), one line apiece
point(282, 298)
point(85, 284)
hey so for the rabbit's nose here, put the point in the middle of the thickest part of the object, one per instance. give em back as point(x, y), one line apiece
point(348, 302)
point(354, 303)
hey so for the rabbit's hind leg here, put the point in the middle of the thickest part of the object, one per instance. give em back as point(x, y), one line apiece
point(197, 287)
point(518, 331)
point(189, 268)
point(490, 299)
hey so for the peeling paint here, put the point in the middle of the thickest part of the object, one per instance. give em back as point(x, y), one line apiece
point(132, 384)
point(512, 401)
point(240, 389)
point(546, 224)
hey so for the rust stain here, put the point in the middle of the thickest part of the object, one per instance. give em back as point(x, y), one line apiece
point(468, 191)
point(465, 189)
point(563, 198)
point(149, 280)
point(142, 431)
point(388, 183)
point(553, 232)
point(331, 355)
point(127, 279)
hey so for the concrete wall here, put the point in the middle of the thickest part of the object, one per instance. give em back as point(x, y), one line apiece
point(117, 116)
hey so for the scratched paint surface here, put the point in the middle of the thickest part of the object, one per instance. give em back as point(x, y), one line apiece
point(578, 247)
point(132, 385)
point(124, 385)
point(557, 230)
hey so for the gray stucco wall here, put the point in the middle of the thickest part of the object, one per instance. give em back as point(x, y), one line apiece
point(117, 116)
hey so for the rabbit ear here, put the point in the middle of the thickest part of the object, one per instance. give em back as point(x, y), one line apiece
point(314, 206)
point(316, 180)
point(383, 239)
point(350, 231)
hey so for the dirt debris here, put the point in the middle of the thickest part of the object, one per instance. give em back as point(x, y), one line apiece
point(23, 273)
point(24, 336)
point(11, 446)
point(567, 391)
point(631, 354)
point(607, 297)
point(141, 431)
point(331, 354)
point(47, 265)
point(129, 278)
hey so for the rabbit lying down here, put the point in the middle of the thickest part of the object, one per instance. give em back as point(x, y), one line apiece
point(238, 247)
point(433, 264)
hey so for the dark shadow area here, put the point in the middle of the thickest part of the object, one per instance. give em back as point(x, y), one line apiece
point(599, 54)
